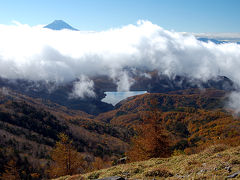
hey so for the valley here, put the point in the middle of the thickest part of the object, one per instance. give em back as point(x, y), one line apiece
point(193, 118)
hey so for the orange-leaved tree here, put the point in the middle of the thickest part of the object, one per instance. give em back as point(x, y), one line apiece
point(66, 160)
point(151, 140)
point(11, 171)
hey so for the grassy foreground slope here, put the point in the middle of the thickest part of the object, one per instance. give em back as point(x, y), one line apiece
point(215, 162)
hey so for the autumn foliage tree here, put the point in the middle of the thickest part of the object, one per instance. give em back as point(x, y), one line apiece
point(151, 140)
point(11, 171)
point(66, 160)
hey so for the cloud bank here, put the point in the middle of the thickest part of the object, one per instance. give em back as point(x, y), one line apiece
point(82, 88)
point(37, 53)
point(234, 102)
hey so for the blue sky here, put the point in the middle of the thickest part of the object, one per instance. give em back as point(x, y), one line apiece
point(178, 15)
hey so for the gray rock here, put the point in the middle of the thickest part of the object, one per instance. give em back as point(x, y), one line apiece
point(121, 161)
point(233, 175)
point(202, 171)
point(228, 168)
point(179, 176)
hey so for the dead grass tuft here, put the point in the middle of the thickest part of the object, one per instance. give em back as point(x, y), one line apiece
point(158, 172)
point(215, 149)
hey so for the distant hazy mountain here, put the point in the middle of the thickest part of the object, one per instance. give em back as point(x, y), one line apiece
point(212, 40)
point(216, 41)
point(218, 38)
point(59, 25)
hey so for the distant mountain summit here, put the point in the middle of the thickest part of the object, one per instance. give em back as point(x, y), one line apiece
point(60, 25)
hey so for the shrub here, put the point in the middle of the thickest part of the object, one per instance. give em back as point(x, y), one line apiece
point(94, 175)
point(235, 161)
point(178, 152)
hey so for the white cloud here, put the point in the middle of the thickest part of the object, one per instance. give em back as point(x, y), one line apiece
point(234, 102)
point(84, 87)
point(36, 53)
point(124, 82)
point(4, 91)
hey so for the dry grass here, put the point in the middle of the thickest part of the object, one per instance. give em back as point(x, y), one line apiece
point(212, 163)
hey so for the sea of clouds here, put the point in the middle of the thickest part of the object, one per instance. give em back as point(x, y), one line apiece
point(36, 53)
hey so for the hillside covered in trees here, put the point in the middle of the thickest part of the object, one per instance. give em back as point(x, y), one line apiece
point(188, 121)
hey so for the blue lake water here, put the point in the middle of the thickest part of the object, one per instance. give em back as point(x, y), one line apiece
point(115, 97)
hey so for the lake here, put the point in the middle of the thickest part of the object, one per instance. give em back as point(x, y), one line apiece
point(115, 97)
